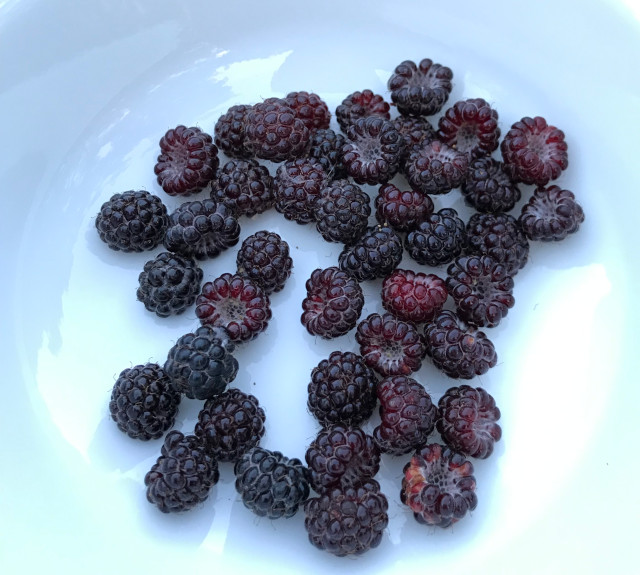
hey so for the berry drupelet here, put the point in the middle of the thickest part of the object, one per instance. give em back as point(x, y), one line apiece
point(297, 186)
point(402, 211)
point(342, 212)
point(413, 296)
point(361, 105)
point(264, 258)
point(551, 215)
point(437, 240)
point(375, 255)
point(488, 188)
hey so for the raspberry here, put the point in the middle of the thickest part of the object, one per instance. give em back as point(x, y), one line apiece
point(201, 364)
point(183, 475)
point(333, 304)
point(438, 486)
point(481, 288)
point(534, 152)
point(229, 132)
point(551, 214)
point(245, 186)
point(414, 130)
point(488, 188)
point(343, 212)
point(402, 211)
point(347, 520)
point(373, 150)
point(438, 240)
point(374, 255)
point(309, 108)
point(420, 90)
point(235, 303)
point(201, 229)
point(470, 126)
point(461, 352)
point(413, 297)
point(342, 390)
point(407, 415)
point(467, 421)
point(360, 105)
point(187, 162)
point(132, 221)
point(341, 455)
point(435, 168)
point(230, 424)
point(143, 402)
point(264, 258)
point(274, 132)
point(169, 284)
point(326, 148)
point(389, 345)
point(297, 186)
point(270, 484)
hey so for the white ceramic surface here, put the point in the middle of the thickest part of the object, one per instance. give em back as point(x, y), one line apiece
point(86, 91)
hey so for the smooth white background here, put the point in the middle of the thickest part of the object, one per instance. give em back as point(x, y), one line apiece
point(86, 91)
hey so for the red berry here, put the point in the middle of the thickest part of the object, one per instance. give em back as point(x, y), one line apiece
point(360, 105)
point(403, 211)
point(310, 108)
point(297, 186)
point(229, 132)
point(414, 297)
point(551, 214)
point(435, 168)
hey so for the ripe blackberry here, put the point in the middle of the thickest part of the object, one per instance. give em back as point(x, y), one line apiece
point(326, 148)
point(420, 90)
point(413, 296)
point(132, 221)
point(201, 229)
point(498, 236)
point(229, 132)
point(309, 108)
point(243, 185)
point(435, 168)
point(201, 364)
point(343, 212)
point(297, 186)
point(187, 162)
point(169, 284)
point(481, 288)
point(373, 150)
point(470, 126)
point(270, 484)
point(183, 475)
point(438, 486)
point(143, 402)
point(407, 415)
point(414, 130)
point(341, 455)
point(402, 211)
point(389, 345)
point(534, 152)
point(342, 390)
point(551, 214)
point(264, 259)
point(333, 304)
point(361, 105)
point(348, 520)
point(235, 303)
point(460, 351)
point(467, 421)
point(488, 188)
point(438, 240)
point(230, 424)
point(274, 132)
point(375, 255)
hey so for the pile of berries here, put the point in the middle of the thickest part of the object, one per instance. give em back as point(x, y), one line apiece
point(459, 281)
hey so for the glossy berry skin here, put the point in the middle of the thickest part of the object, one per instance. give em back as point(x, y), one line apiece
point(414, 130)
point(390, 346)
point(534, 152)
point(183, 475)
point(438, 486)
point(408, 416)
point(270, 484)
point(361, 105)
point(133, 221)
point(422, 89)
point(297, 186)
point(438, 240)
point(309, 108)
point(460, 351)
point(342, 390)
point(341, 455)
point(230, 424)
point(264, 258)
point(402, 210)
point(488, 188)
point(143, 402)
point(467, 421)
point(342, 212)
point(413, 296)
point(229, 132)
point(551, 214)
point(333, 304)
point(375, 255)
point(187, 162)
point(435, 168)
point(235, 303)
point(481, 288)
point(326, 147)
